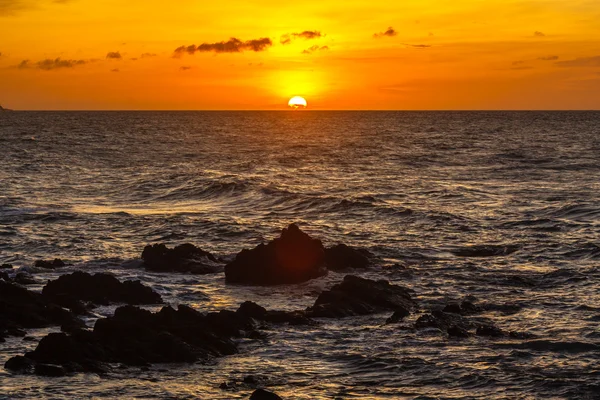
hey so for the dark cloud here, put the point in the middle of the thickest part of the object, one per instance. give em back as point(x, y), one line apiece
point(580, 62)
point(314, 48)
point(114, 55)
point(50, 64)
point(539, 34)
point(418, 46)
point(233, 45)
point(289, 37)
point(148, 55)
point(548, 58)
point(185, 68)
point(391, 32)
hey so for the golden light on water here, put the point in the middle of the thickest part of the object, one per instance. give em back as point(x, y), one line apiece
point(297, 102)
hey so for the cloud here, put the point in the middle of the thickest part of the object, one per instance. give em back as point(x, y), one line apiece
point(518, 62)
point(580, 62)
point(308, 35)
point(233, 45)
point(390, 32)
point(114, 55)
point(418, 46)
point(50, 64)
point(115, 70)
point(314, 48)
point(185, 68)
point(539, 34)
point(548, 58)
point(13, 7)
point(148, 55)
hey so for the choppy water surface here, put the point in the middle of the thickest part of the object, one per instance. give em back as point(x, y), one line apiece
point(95, 188)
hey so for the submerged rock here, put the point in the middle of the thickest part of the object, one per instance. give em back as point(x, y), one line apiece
point(485, 250)
point(294, 257)
point(359, 296)
point(342, 257)
point(99, 288)
point(185, 258)
point(261, 394)
point(45, 264)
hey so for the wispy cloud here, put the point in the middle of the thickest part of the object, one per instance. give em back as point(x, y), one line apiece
point(185, 68)
point(148, 55)
point(51, 64)
point(548, 58)
point(539, 34)
point(308, 35)
point(233, 45)
point(114, 55)
point(418, 46)
point(13, 7)
point(315, 48)
point(580, 62)
point(390, 32)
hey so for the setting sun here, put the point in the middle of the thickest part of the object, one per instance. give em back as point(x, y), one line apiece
point(297, 102)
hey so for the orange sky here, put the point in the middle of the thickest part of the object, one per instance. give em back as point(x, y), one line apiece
point(464, 54)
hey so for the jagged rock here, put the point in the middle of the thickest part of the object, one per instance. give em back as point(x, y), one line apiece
point(342, 257)
point(359, 296)
point(294, 257)
point(261, 394)
point(398, 316)
point(22, 309)
point(6, 266)
point(100, 288)
point(185, 258)
point(19, 365)
point(443, 321)
point(46, 264)
point(23, 278)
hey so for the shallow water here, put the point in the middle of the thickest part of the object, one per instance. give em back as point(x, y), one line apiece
point(414, 188)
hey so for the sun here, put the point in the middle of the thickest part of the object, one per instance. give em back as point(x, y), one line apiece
point(297, 102)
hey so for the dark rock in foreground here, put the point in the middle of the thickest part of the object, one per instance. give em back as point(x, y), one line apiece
point(342, 257)
point(261, 394)
point(185, 258)
point(294, 257)
point(6, 266)
point(22, 309)
point(359, 296)
point(23, 278)
point(100, 288)
point(134, 336)
point(56, 263)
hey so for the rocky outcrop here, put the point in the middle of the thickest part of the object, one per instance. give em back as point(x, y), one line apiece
point(261, 394)
point(46, 264)
point(99, 288)
point(185, 258)
point(294, 257)
point(22, 309)
point(359, 296)
point(342, 257)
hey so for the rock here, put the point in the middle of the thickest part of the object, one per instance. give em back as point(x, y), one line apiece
point(22, 309)
point(342, 257)
point(23, 278)
point(489, 330)
point(261, 394)
point(485, 251)
point(100, 288)
point(6, 266)
point(56, 263)
point(458, 332)
point(50, 370)
point(359, 296)
point(398, 316)
point(294, 257)
point(19, 365)
point(443, 321)
point(252, 310)
point(185, 258)
point(4, 276)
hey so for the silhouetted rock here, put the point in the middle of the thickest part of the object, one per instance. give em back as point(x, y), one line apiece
point(50, 370)
point(261, 394)
point(19, 365)
point(23, 278)
point(458, 332)
point(56, 263)
point(22, 309)
point(4, 276)
point(443, 321)
point(294, 257)
point(6, 266)
point(185, 258)
point(342, 257)
point(359, 296)
point(489, 330)
point(485, 250)
point(100, 288)
point(398, 316)
point(467, 307)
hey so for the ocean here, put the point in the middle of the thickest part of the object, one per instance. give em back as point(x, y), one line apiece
point(419, 190)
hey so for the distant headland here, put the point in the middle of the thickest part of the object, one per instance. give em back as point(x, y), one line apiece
point(4, 109)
